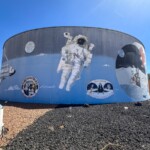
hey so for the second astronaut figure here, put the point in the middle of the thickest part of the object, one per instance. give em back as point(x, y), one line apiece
point(76, 54)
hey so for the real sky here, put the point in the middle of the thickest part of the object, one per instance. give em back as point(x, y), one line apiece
point(129, 16)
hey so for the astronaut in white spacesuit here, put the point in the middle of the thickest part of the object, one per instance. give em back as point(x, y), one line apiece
point(76, 54)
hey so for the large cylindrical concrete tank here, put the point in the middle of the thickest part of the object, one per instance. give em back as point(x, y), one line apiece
point(73, 65)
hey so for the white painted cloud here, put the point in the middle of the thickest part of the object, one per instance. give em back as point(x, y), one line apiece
point(47, 86)
point(106, 65)
point(13, 88)
point(41, 54)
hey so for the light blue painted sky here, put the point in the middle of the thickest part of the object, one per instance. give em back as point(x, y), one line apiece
point(129, 16)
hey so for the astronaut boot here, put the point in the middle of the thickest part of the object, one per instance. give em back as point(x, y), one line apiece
point(70, 82)
point(64, 77)
point(61, 86)
point(62, 82)
point(68, 87)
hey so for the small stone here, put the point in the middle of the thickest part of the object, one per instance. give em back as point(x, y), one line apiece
point(138, 104)
point(143, 146)
point(51, 128)
point(61, 127)
point(70, 108)
point(126, 108)
point(69, 116)
point(86, 105)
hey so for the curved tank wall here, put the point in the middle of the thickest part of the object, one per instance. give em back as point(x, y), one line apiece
point(73, 65)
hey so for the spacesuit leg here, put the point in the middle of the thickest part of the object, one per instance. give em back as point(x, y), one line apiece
point(64, 77)
point(73, 77)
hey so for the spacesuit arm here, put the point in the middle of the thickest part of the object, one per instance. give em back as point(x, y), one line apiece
point(60, 65)
point(62, 59)
point(69, 37)
point(64, 53)
point(87, 60)
point(88, 55)
point(91, 46)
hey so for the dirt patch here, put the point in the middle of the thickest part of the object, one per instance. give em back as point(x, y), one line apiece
point(19, 116)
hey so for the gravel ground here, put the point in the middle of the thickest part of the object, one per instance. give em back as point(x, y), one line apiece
point(97, 127)
point(18, 116)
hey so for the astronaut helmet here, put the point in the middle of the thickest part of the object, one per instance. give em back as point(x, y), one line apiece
point(81, 40)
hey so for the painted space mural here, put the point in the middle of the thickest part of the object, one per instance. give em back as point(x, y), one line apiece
point(73, 65)
point(100, 89)
point(131, 69)
point(76, 55)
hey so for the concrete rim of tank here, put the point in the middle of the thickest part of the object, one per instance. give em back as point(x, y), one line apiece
point(73, 27)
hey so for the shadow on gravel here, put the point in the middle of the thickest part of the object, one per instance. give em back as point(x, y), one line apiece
point(98, 127)
point(38, 106)
point(27, 105)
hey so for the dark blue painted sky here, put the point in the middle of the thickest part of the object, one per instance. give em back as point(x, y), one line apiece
point(130, 16)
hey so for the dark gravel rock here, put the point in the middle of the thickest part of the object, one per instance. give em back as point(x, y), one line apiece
point(98, 127)
point(138, 104)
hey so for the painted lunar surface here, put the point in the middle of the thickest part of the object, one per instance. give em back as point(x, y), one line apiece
point(75, 55)
point(130, 67)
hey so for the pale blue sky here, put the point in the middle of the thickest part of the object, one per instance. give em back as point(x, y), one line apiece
point(129, 16)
